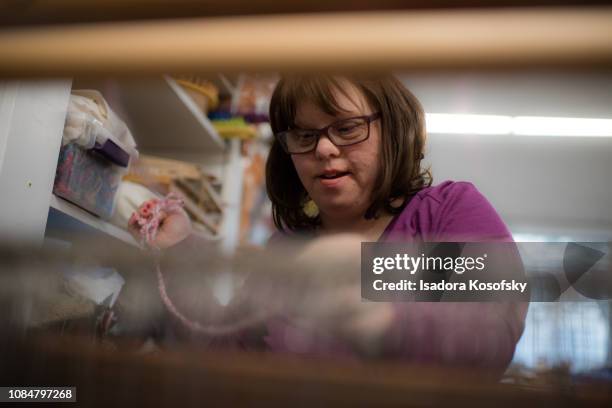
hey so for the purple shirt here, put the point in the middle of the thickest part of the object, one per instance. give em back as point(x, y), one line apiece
point(450, 211)
point(474, 334)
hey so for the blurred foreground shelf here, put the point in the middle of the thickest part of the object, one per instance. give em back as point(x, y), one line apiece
point(195, 377)
point(67, 218)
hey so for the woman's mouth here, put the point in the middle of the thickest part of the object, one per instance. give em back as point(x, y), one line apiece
point(332, 178)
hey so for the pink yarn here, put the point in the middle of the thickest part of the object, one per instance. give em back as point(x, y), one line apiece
point(150, 214)
point(148, 218)
point(196, 327)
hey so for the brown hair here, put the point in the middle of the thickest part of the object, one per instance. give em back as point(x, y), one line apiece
point(401, 149)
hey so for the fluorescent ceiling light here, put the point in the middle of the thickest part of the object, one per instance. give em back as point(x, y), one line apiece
point(543, 126)
point(468, 124)
point(446, 123)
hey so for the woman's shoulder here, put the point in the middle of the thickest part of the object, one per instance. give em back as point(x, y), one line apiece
point(448, 191)
point(451, 210)
point(448, 196)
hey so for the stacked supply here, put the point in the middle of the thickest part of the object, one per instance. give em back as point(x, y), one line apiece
point(235, 127)
point(202, 92)
point(199, 190)
point(97, 148)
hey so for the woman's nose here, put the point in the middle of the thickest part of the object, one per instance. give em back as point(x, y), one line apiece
point(325, 148)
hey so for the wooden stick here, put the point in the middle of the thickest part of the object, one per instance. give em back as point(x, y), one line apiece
point(564, 37)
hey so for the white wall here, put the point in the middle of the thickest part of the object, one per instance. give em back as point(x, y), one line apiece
point(560, 186)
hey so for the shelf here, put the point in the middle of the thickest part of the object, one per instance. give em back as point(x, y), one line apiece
point(226, 85)
point(66, 216)
point(163, 117)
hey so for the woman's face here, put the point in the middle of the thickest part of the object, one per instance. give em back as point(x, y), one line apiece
point(349, 195)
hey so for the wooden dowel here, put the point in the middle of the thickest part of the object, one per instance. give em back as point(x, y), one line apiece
point(358, 41)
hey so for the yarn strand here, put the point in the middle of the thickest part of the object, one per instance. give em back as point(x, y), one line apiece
point(148, 219)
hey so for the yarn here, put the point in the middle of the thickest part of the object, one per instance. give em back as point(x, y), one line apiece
point(151, 213)
point(148, 219)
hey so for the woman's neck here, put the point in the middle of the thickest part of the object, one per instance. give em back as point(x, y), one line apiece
point(371, 229)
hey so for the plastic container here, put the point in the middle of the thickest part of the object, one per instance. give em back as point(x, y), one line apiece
point(90, 169)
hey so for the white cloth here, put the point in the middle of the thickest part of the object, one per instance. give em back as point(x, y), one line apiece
point(129, 197)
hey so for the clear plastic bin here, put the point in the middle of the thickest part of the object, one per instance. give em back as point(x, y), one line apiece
point(89, 172)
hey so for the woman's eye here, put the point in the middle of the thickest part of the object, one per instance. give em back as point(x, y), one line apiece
point(347, 128)
point(305, 138)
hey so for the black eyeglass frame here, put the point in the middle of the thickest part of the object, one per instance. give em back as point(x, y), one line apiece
point(281, 138)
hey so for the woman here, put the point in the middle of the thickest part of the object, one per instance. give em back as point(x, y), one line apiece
point(347, 159)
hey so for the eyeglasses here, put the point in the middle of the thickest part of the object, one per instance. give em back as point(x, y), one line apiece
point(344, 132)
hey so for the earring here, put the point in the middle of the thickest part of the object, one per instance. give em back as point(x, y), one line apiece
point(310, 209)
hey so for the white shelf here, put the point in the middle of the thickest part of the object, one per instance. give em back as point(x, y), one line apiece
point(163, 117)
point(225, 84)
point(90, 221)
